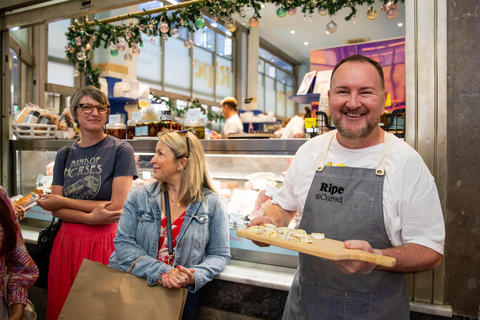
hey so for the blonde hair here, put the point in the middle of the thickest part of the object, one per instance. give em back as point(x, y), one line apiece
point(195, 176)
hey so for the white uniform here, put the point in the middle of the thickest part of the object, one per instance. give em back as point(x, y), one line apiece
point(294, 126)
point(411, 206)
point(233, 125)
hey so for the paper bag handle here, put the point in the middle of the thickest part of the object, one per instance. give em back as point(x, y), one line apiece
point(133, 264)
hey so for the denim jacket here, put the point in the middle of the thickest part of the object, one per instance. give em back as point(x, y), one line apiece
point(202, 244)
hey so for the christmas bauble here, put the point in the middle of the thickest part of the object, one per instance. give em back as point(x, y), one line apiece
point(82, 32)
point(94, 37)
point(175, 33)
point(120, 46)
point(188, 44)
point(182, 22)
point(150, 26)
point(331, 27)
point(78, 41)
point(372, 14)
point(200, 23)
point(392, 13)
point(114, 52)
point(281, 12)
point(322, 11)
point(135, 51)
point(70, 49)
point(128, 57)
point(292, 11)
point(383, 8)
point(131, 23)
point(152, 39)
point(231, 25)
point(165, 38)
point(253, 22)
point(215, 18)
point(164, 27)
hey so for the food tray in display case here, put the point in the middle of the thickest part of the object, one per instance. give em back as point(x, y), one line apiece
point(34, 131)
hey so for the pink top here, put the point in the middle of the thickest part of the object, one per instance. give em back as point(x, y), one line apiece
point(18, 265)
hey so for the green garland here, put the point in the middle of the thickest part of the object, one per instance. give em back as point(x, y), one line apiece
point(83, 38)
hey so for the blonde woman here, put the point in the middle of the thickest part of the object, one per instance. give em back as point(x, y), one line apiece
point(199, 223)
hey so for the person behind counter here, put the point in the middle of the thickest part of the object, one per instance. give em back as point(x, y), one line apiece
point(88, 193)
point(199, 222)
point(359, 182)
point(15, 262)
point(295, 128)
point(233, 124)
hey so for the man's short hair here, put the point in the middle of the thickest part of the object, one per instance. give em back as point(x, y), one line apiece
point(230, 102)
point(360, 58)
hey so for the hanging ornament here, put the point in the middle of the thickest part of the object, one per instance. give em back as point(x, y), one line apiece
point(354, 19)
point(253, 21)
point(281, 12)
point(182, 22)
point(331, 27)
point(78, 41)
point(322, 11)
point(135, 51)
point(76, 73)
point(200, 23)
point(164, 27)
point(114, 51)
point(128, 56)
point(175, 33)
point(120, 46)
point(310, 18)
point(188, 44)
point(70, 49)
point(231, 26)
point(129, 35)
point(152, 39)
point(83, 49)
point(131, 23)
point(165, 38)
point(383, 8)
point(87, 46)
point(372, 14)
point(150, 25)
point(292, 11)
point(82, 32)
point(94, 37)
point(392, 11)
point(80, 56)
point(75, 22)
point(215, 18)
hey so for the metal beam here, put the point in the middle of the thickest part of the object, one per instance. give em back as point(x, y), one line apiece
point(61, 11)
point(8, 5)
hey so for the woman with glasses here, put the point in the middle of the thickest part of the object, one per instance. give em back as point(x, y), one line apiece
point(91, 181)
point(195, 247)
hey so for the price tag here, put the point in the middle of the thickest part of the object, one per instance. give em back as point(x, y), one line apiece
point(137, 115)
point(115, 118)
point(193, 114)
point(310, 123)
point(146, 175)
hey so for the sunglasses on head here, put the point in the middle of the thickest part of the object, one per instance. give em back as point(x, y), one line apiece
point(88, 108)
point(184, 133)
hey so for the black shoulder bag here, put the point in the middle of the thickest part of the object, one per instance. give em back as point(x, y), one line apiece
point(46, 237)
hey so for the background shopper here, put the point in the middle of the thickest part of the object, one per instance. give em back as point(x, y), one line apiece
point(233, 124)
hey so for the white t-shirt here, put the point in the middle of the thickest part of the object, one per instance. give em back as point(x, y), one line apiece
point(233, 125)
point(411, 206)
point(295, 125)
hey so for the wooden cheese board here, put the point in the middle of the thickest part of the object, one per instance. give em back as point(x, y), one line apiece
point(326, 248)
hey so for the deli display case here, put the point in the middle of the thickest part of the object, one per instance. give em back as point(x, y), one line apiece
point(246, 172)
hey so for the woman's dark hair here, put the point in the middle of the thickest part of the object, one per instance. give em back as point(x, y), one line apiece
point(9, 240)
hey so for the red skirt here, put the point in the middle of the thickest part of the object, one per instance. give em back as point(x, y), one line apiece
point(75, 242)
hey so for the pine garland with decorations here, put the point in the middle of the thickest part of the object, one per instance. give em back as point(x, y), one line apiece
point(83, 38)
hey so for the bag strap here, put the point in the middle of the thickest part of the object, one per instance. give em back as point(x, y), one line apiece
point(133, 264)
point(65, 157)
point(169, 229)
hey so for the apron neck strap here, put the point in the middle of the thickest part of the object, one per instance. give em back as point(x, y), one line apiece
point(380, 170)
point(324, 154)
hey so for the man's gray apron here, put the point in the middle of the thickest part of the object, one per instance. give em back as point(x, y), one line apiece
point(355, 212)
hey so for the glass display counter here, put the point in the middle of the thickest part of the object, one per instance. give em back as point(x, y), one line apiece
point(240, 170)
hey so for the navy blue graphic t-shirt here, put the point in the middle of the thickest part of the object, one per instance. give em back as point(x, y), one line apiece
point(89, 172)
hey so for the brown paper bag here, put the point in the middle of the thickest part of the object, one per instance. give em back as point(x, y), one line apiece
point(101, 292)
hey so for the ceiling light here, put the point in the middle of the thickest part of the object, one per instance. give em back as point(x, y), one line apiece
point(305, 43)
point(292, 32)
point(400, 24)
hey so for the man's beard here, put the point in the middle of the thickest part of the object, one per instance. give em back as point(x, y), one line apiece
point(355, 134)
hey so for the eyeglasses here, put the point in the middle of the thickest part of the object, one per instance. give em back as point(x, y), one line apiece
point(88, 108)
point(184, 133)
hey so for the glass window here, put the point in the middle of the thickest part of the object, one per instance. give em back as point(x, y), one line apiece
point(204, 38)
point(224, 46)
point(290, 104)
point(149, 61)
point(281, 100)
point(22, 36)
point(60, 73)
point(281, 76)
point(178, 67)
point(261, 93)
point(289, 80)
point(224, 81)
point(270, 70)
point(261, 66)
point(270, 94)
point(203, 77)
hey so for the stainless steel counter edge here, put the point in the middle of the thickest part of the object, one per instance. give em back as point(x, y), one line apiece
point(147, 145)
